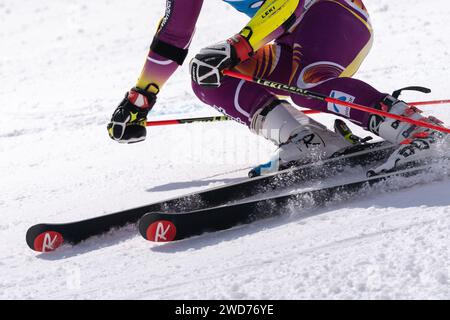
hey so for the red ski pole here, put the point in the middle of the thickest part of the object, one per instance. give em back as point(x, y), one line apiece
point(225, 118)
point(322, 97)
point(429, 103)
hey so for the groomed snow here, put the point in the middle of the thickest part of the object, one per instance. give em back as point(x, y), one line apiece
point(64, 66)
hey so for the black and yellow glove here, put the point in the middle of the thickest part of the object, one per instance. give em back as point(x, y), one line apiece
point(128, 122)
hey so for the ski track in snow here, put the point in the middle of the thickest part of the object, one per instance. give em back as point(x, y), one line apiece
point(64, 68)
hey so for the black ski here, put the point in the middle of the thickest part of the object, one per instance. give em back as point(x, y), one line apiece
point(48, 237)
point(165, 227)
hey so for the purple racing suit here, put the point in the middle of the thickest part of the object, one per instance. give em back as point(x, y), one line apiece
point(321, 51)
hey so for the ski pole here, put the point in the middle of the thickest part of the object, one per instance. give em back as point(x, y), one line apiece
point(202, 119)
point(429, 103)
point(187, 120)
point(322, 97)
point(225, 118)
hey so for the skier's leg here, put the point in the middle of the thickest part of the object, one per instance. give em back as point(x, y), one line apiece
point(239, 99)
point(330, 43)
point(300, 138)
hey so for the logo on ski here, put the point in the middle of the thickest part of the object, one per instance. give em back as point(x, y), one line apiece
point(161, 231)
point(48, 241)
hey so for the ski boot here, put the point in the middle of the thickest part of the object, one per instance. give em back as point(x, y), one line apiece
point(415, 143)
point(300, 139)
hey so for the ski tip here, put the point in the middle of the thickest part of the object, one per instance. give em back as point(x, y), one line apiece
point(44, 242)
point(161, 231)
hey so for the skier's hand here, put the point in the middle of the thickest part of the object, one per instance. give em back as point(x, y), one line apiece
point(128, 122)
point(207, 66)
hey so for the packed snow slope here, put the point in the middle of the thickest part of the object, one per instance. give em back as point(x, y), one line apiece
point(65, 65)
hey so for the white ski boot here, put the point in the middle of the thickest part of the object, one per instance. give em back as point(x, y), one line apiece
point(415, 142)
point(300, 139)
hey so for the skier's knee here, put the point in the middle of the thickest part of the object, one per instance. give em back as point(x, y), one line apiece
point(204, 94)
point(197, 89)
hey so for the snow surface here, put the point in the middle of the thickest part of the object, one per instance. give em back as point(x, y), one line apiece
point(64, 66)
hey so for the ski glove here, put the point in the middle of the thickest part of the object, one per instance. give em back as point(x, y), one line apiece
point(207, 66)
point(128, 122)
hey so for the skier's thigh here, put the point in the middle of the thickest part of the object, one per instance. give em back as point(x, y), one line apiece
point(331, 41)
